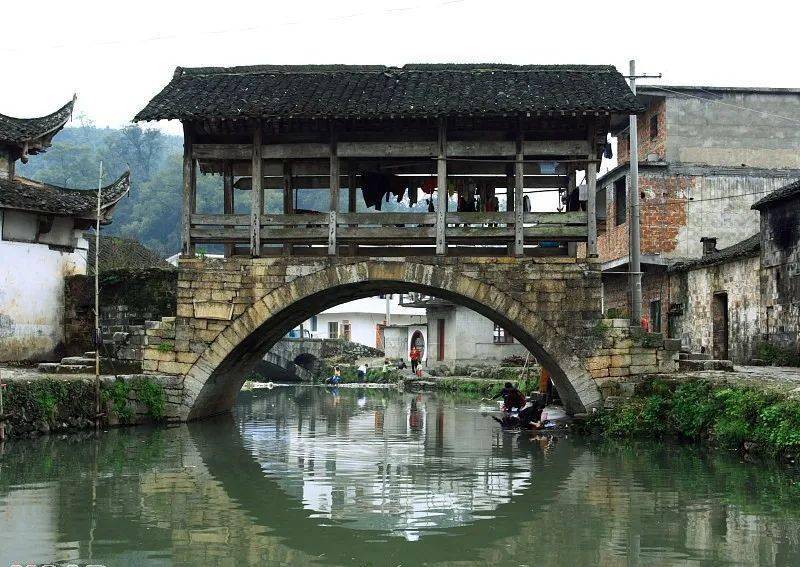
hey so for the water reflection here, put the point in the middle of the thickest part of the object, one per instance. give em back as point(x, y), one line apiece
point(300, 476)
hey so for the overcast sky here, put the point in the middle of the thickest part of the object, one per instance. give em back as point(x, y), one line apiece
point(117, 55)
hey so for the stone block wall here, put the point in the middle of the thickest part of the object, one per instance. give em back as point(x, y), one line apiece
point(625, 354)
point(128, 298)
point(780, 273)
point(214, 295)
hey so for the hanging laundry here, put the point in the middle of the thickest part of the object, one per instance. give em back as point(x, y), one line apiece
point(429, 185)
point(526, 204)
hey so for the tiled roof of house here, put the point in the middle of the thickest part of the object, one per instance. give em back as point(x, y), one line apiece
point(18, 131)
point(785, 192)
point(376, 91)
point(27, 195)
point(744, 249)
point(118, 253)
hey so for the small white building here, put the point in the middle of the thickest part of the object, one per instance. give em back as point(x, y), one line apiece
point(458, 335)
point(41, 239)
point(363, 320)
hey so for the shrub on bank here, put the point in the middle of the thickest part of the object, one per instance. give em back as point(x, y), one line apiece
point(725, 415)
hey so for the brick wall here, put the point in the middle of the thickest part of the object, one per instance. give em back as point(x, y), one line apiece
point(647, 145)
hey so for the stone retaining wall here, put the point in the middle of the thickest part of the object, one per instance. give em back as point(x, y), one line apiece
point(41, 405)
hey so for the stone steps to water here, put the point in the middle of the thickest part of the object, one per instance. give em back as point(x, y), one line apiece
point(689, 365)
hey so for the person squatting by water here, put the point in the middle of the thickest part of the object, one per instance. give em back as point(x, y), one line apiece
point(513, 398)
point(529, 417)
point(362, 372)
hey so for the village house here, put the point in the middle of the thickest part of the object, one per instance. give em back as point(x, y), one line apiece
point(734, 302)
point(706, 154)
point(362, 320)
point(457, 335)
point(41, 239)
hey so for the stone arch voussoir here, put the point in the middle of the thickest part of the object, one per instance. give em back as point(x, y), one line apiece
point(542, 337)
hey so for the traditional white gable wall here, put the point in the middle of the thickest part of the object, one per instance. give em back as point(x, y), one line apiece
point(32, 283)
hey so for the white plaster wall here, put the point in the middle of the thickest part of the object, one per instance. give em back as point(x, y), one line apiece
point(32, 297)
point(362, 325)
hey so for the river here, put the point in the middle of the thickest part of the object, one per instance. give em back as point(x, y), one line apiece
point(303, 475)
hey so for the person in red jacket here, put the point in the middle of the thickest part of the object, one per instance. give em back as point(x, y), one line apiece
point(414, 355)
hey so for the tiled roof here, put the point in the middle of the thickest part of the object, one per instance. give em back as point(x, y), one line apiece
point(17, 131)
point(27, 195)
point(785, 192)
point(413, 91)
point(746, 248)
point(123, 254)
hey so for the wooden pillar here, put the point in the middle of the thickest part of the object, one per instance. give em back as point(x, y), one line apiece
point(591, 196)
point(334, 183)
point(288, 197)
point(351, 200)
point(441, 206)
point(257, 194)
point(591, 208)
point(519, 195)
point(228, 205)
point(189, 192)
point(572, 247)
point(510, 197)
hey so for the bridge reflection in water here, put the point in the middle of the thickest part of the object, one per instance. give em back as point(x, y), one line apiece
point(300, 476)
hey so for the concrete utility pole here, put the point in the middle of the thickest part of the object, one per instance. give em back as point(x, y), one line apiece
point(634, 256)
point(635, 253)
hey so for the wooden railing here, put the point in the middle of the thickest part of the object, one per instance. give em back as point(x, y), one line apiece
point(477, 230)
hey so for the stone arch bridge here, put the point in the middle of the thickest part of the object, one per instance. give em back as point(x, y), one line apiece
point(231, 311)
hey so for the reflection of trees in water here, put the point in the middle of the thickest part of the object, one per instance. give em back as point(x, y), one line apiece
point(197, 495)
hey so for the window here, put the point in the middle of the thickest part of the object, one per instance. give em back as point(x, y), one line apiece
point(346, 333)
point(333, 329)
point(620, 201)
point(654, 126)
point(655, 316)
point(313, 323)
point(501, 336)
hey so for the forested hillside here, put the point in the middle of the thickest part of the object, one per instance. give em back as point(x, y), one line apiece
point(151, 212)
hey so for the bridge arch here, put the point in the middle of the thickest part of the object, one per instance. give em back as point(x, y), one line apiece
point(216, 377)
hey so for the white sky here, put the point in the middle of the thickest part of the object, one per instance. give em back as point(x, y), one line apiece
point(117, 55)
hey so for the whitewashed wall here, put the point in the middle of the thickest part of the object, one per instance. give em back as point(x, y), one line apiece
point(32, 291)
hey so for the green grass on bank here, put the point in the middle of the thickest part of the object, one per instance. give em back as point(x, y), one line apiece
point(701, 411)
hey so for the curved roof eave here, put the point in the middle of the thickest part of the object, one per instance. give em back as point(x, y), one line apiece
point(21, 131)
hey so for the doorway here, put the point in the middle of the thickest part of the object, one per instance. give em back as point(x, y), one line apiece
point(440, 339)
point(418, 340)
point(719, 320)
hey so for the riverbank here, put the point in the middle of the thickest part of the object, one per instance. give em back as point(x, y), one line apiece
point(719, 409)
point(36, 403)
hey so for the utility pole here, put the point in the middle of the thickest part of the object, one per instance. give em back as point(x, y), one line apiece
point(635, 253)
point(97, 337)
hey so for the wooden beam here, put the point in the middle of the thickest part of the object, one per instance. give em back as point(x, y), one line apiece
point(430, 149)
point(228, 203)
point(591, 196)
point(510, 197)
point(257, 196)
point(189, 192)
point(334, 182)
point(519, 210)
point(441, 208)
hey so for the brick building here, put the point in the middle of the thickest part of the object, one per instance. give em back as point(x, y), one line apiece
point(706, 155)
